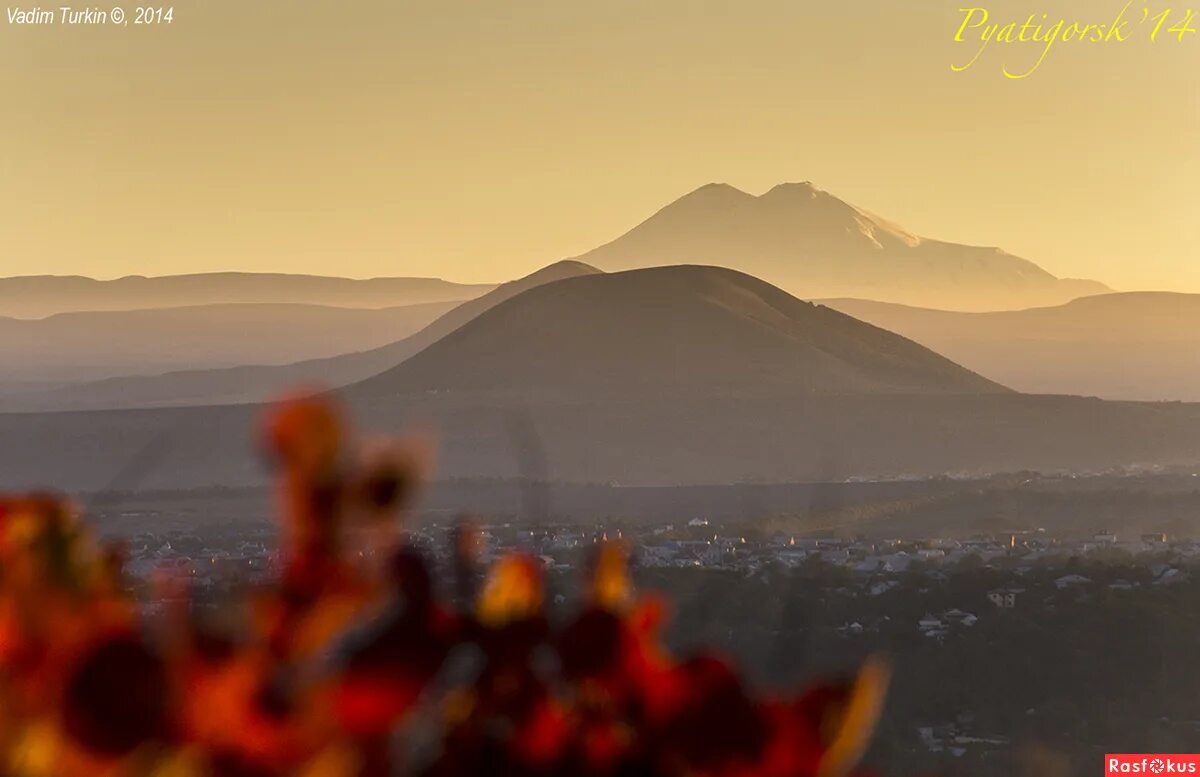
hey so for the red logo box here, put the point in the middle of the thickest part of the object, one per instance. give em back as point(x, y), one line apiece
point(1116, 764)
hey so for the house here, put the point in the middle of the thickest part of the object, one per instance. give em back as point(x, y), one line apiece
point(881, 587)
point(932, 627)
point(1170, 577)
point(868, 566)
point(657, 555)
point(929, 622)
point(835, 555)
point(896, 562)
point(960, 617)
point(1004, 598)
point(1070, 581)
point(791, 558)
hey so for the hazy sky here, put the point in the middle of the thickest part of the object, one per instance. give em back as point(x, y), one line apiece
point(478, 140)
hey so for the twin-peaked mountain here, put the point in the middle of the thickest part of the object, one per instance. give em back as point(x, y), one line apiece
point(813, 245)
point(794, 236)
point(666, 369)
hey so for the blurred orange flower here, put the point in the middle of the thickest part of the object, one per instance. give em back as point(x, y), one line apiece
point(338, 661)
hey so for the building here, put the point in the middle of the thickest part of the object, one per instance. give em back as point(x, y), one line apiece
point(1004, 598)
point(1070, 581)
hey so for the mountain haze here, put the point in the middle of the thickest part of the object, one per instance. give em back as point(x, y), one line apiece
point(1134, 345)
point(96, 345)
point(255, 383)
point(649, 439)
point(37, 296)
point(675, 375)
point(813, 244)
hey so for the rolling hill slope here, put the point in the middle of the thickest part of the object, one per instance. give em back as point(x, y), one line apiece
point(689, 329)
point(255, 383)
point(651, 440)
point(677, 375)
point(91, 346)
point(1135, 345)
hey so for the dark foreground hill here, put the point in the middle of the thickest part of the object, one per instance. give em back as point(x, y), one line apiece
point(690, 330)
point(658, 440)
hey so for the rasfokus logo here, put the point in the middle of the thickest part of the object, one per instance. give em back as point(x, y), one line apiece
point(1151, 763)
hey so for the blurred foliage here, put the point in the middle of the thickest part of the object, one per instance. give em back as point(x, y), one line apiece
point(340, 668)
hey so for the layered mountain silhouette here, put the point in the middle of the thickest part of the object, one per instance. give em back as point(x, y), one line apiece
point(254, 383)
point(813, 244)
point(90, 346)
point(37, 296)
point(685, 329)
point(1135, 345)
point(671, 375)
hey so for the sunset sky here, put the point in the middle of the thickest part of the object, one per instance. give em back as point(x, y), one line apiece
point(478, 140)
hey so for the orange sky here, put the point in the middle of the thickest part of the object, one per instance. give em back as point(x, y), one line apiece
point(478, 140)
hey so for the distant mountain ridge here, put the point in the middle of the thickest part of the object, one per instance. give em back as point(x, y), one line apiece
point(673, 375)
point(69, 347)
point(813, 244)
point(259, 382)
point(693, 329)
point(37, 296)
point(1131, 345)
